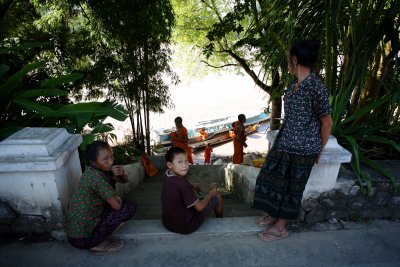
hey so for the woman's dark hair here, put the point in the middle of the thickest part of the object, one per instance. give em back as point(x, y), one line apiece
point(241, 117)
point(92, 150)
point(306, 52)
point(172, 152)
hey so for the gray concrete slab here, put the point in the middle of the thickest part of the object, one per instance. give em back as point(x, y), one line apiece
point(139, 229)
point(368, 244)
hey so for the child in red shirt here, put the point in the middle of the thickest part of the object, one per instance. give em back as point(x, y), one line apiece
point(207, 154)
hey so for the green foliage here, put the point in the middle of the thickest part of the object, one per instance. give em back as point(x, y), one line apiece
point(120, 48)
point(126, 153)
point(359, 58)
point(27, 99)
point(363, 105)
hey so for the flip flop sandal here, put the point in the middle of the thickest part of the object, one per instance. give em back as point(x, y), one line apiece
point(271, 236)
point(265, 221)
point(104, 244)
point(112, 247)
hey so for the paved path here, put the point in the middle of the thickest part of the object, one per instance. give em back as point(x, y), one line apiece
point(223, 242)
point(371, 244)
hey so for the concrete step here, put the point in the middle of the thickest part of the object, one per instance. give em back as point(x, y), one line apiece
point(139, 229)
point(232, 207)
point(147, 195)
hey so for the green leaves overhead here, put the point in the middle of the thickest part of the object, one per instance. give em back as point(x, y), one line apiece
point(15, 80)
point(62, 80)
point(359, 57)
point(86, 47)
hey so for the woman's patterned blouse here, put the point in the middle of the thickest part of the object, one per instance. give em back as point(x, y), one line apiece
point(87, 203)
point(304, 107)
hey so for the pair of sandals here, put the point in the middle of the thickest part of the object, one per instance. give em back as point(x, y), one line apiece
point(107, 246)
point(268, 234)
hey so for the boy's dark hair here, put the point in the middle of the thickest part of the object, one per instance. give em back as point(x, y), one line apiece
point(241, 117)
point(306, 52)
point(172, 152)
point(92, 150)
point(178, 120)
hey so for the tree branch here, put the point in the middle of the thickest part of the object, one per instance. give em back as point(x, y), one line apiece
point(218, 67)
point(250, 72)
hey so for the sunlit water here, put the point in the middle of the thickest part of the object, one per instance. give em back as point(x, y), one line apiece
point(211, 97)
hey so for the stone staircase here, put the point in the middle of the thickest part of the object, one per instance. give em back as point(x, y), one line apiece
point(147, 194)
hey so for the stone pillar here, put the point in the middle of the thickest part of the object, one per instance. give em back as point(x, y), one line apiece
point(39, 168)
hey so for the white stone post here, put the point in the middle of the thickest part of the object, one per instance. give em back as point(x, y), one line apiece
point(242, 179)
point(324, 174)
point(39, 168)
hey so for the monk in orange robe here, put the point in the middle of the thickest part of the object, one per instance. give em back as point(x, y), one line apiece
point(207, 154)
point(239, 139)
point(180, 138)
point(203, 134)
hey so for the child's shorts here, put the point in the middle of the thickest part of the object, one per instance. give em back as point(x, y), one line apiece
point(210, 207)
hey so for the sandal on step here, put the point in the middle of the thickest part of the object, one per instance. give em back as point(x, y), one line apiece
point(265, 220)
point(112, 246)
point(268, 235)
point(101, 246)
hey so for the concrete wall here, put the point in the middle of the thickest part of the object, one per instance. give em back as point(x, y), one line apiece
point(39, 170)
point(39, 167)
point(136, 175)
point(242, 178)
point(326, 197)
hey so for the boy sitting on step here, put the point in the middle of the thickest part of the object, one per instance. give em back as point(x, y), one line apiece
point(182, 211)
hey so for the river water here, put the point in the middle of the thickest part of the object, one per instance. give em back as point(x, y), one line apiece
point(211, 97)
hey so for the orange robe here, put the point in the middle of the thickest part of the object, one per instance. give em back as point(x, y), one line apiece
point(207, 154)
point(238, 154)
point(182, 142)
point(204, 134)
point(189, 151)
point(182, 138)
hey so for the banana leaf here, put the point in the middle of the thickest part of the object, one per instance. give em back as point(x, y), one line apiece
point(3, 70)
point(61, 80)
point(41, 92)
point(84, 108)
point(119, 113)
point(15, 80)
point(36, 106)
point(102, 128)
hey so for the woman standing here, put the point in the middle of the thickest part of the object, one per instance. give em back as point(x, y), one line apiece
point(302, 137)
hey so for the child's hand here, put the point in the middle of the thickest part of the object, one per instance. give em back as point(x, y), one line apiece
point(212, 192)
point(197, 187)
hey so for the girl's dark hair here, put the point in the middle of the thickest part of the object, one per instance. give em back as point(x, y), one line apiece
point(92, 150)
point(306, 52)
point(172, 152)
point(241, 117)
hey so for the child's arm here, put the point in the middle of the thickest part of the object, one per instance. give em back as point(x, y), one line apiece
point(200, 205)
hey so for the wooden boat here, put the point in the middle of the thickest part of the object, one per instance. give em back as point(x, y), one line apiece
point(223, 138)
point(215, 128)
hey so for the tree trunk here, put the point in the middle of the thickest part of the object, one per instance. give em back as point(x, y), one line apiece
point(276, 103)
point(146, 104)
